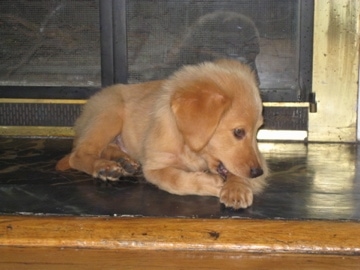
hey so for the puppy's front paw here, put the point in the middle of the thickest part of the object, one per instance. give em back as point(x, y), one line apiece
point(236, 194)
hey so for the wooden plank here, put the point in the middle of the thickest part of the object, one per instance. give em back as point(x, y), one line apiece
point(325, 237)
point(55, 258)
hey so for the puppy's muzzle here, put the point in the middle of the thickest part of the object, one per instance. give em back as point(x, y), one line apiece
point(256, 172)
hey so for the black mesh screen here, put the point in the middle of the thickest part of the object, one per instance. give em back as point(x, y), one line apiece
point(165, 34)
point(57, 43)
point(49, 43)
point(38, 114)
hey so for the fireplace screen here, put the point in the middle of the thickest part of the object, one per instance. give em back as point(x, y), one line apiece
point(49, 43)
point(163, 35)
point(68, 49)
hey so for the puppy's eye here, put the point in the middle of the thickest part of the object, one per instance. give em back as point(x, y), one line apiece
point(239, 133)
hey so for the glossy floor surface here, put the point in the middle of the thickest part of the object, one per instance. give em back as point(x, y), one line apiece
point(315, 181)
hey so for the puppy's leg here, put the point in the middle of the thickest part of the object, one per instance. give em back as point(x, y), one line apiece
point(181, 182)
point(238, 192)
point(114, 152)
point(87, 154)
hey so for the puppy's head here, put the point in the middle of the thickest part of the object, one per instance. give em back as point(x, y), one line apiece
point(218, 110)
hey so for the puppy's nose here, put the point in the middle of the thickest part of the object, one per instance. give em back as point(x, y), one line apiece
point(255, 172)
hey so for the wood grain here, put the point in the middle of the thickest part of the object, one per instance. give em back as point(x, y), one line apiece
point(56, 258)
point(231, 235)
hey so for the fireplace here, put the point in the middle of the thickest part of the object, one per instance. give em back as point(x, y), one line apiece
point(57, 53)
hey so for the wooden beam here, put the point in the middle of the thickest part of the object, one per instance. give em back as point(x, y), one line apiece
point(64, 258)
point(231, 235)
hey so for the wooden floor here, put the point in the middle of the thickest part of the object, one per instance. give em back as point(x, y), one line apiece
point(307, 218)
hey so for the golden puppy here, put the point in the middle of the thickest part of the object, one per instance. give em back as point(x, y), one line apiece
point(194, 133)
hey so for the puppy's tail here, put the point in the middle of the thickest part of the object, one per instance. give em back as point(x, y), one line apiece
point(63, 164)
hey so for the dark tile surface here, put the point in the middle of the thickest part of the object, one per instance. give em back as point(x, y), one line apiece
point(317, 181)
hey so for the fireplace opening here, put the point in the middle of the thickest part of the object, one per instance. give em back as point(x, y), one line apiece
point(273, 37)
point(68, 49)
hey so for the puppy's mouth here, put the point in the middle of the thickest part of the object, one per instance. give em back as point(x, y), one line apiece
point(222, 171)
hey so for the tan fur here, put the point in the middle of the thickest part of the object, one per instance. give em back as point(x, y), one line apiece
point(179, 130)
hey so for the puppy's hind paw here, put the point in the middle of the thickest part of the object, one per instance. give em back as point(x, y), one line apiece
point(107, 170)
point(110, 173)
point(131, 167)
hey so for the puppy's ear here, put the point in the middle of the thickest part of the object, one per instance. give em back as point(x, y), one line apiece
point(198, 111)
